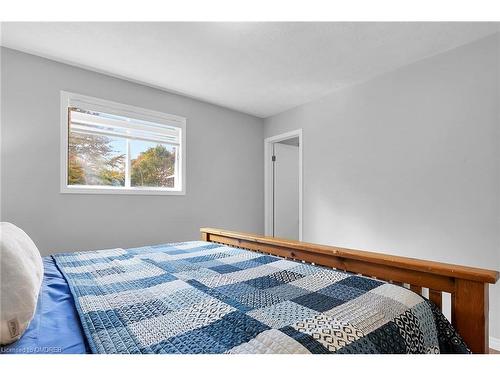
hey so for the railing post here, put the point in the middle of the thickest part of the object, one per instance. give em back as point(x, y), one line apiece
point(470, 311)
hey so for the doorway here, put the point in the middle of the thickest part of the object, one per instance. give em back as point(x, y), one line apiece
point(283, 185)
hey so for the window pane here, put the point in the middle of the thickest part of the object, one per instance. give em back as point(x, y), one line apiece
point(152, 164)
point(96, 160)
point(91, 122)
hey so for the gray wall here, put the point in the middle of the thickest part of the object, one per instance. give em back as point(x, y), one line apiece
point(409, 162)
point(224, 165)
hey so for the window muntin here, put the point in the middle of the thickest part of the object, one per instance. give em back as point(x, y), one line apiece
point(121, 150)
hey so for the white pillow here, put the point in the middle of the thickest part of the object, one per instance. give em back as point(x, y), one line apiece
point(21, 273)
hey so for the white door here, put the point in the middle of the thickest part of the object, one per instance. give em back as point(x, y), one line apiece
point(286, 191)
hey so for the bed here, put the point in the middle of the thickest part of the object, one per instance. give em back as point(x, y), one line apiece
point(235, 292)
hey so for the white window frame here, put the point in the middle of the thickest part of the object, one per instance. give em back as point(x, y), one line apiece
point(123, 110)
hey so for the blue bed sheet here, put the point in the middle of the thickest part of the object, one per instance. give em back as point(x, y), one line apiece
point(56, 327)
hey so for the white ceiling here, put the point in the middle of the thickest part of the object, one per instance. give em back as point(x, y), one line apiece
point(257, 68)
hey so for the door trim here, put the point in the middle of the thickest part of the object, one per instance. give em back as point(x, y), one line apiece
point(268, 170)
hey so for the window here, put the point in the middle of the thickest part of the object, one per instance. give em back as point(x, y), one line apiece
point(109, 147)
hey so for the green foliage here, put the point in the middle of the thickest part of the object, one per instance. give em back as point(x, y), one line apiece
point(76, 175)
point(92, 161)
point(112, 177)
point(153, 167)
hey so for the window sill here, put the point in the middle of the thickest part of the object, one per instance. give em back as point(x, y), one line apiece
point(120, 191)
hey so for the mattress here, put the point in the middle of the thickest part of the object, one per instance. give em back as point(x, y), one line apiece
point(201, 297)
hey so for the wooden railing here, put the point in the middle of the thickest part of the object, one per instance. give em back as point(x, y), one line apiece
point(468, 286)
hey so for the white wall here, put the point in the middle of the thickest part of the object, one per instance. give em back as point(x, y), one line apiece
point(224, 165)
point(409, 162)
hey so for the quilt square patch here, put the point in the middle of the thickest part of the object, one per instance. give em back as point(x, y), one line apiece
point(209, 257)
point(115, 340)
point(235, 290)
point(144, 310)
point(318, 301)
point(272, 341)
point(192, 342)
point(259, 298)
point(247, 264)
point(225, 268)
point(182, 299)
point(331, 333)
point(265, 259)
point(282, 314)
point(174, 251)
point(234, 329)
point(387, 339)
point(264, 282)
point(306, 340)
point(341, 292)
point(312, 282)
point(286, 276)
point(362, 283)
point(109, 271)
point(305, 269)
point(288, 291)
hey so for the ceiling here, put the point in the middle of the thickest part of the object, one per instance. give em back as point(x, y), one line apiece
point(257, 68)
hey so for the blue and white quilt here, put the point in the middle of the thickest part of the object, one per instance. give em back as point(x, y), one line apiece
point(201, 297)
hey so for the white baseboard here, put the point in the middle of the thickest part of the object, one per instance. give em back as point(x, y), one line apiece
point(494, 343)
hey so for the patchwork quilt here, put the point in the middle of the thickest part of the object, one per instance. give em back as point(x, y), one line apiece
point(201, 297)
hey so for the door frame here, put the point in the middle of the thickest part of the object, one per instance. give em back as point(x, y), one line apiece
point(268, 178)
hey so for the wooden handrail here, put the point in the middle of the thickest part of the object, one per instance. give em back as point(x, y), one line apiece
point(427, 266)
